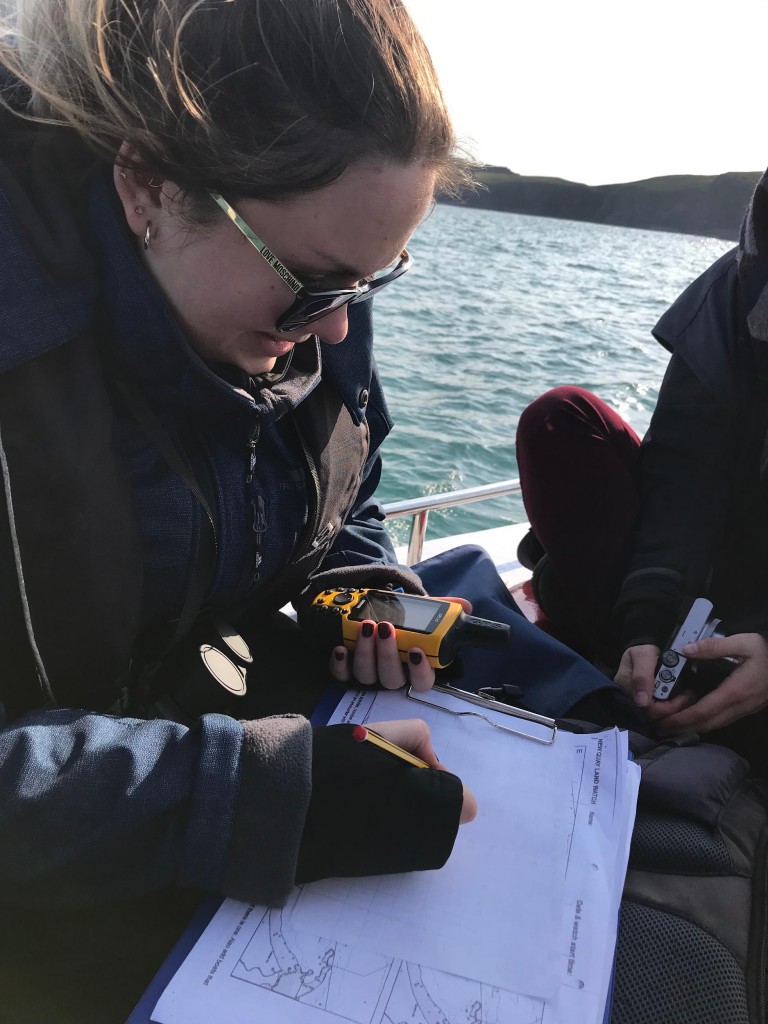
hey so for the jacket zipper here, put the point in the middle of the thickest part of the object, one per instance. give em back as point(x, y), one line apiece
point(257, 505)
point(311, 528)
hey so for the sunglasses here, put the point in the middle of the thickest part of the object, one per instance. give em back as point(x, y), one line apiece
point(311, 304)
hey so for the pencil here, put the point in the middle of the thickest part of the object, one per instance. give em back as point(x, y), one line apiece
point(361, 734)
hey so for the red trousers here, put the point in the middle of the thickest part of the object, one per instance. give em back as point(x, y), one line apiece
point(578, 469)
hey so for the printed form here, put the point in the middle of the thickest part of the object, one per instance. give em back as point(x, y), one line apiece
point(519, 927)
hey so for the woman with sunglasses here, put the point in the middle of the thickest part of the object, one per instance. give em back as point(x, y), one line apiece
point(195, 199)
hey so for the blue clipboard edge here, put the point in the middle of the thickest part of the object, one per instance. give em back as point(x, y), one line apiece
point(142, 1012)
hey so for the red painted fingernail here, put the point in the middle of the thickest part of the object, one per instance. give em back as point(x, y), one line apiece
point(385, 630)
point(415, 657)
point(339, 655)
point(367, 629)
point(359, 733)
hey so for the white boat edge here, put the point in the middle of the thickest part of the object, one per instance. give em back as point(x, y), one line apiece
point(500, 542)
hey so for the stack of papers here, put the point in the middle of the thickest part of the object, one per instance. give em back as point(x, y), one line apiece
point(518, 928)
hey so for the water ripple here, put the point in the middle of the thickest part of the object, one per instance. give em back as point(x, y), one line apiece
point(499, 308)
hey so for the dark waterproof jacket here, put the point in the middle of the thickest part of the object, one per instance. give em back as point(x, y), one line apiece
point(96, 805)
point(704, 470)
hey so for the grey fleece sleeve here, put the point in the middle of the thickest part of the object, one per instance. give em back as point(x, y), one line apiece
point(275, 787)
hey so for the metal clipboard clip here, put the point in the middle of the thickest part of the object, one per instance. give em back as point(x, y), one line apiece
point(490, 704)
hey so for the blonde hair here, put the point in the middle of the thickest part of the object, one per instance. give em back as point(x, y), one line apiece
point(258, 98)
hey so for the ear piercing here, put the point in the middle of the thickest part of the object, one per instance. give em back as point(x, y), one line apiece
point(138, 210)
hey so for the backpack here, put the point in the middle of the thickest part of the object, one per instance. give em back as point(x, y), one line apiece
point(692, 942)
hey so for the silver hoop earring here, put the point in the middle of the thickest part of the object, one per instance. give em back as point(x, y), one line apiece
point(147, 235)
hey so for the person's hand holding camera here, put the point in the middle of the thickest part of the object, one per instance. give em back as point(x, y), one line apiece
point(742, 693)
point(636, 673)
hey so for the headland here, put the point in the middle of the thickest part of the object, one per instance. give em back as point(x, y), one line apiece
point(711, 205)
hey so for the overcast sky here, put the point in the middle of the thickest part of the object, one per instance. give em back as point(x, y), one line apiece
point(605, 90)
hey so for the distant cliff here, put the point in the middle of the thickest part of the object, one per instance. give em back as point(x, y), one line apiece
point(690, 203)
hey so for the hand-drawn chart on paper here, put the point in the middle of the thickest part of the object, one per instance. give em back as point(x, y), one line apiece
point(315, 971)
point(366, 988)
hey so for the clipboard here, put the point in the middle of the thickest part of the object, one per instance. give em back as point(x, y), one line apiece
point(489, 703)
point(142, 1013)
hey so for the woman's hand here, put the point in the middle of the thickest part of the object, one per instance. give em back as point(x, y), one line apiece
point(637, 672)
point(376, 658)
point(412, 734)
point(371, 813)
point(742, 693)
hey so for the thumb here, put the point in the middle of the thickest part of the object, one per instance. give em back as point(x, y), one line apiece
point(469, 806)
point(643, 674)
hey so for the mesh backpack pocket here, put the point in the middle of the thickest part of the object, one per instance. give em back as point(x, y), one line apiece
point(692, 928)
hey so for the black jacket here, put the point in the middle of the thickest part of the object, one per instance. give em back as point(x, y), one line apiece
point(703, 467)
point(92, 805)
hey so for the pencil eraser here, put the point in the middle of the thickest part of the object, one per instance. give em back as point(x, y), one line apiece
point(359, 733)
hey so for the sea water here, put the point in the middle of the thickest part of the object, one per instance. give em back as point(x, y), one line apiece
point(498, 308)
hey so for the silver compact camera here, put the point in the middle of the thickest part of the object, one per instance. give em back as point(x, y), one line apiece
point(674, 669)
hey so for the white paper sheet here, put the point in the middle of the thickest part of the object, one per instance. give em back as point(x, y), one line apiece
point(253, 965)
point(502, 888)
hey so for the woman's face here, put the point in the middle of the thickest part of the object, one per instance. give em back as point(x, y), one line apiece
point(224, 294)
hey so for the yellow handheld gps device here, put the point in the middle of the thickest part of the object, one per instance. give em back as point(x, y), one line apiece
point(439, 628)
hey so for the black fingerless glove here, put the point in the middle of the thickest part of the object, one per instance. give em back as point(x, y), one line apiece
point(371, 813)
